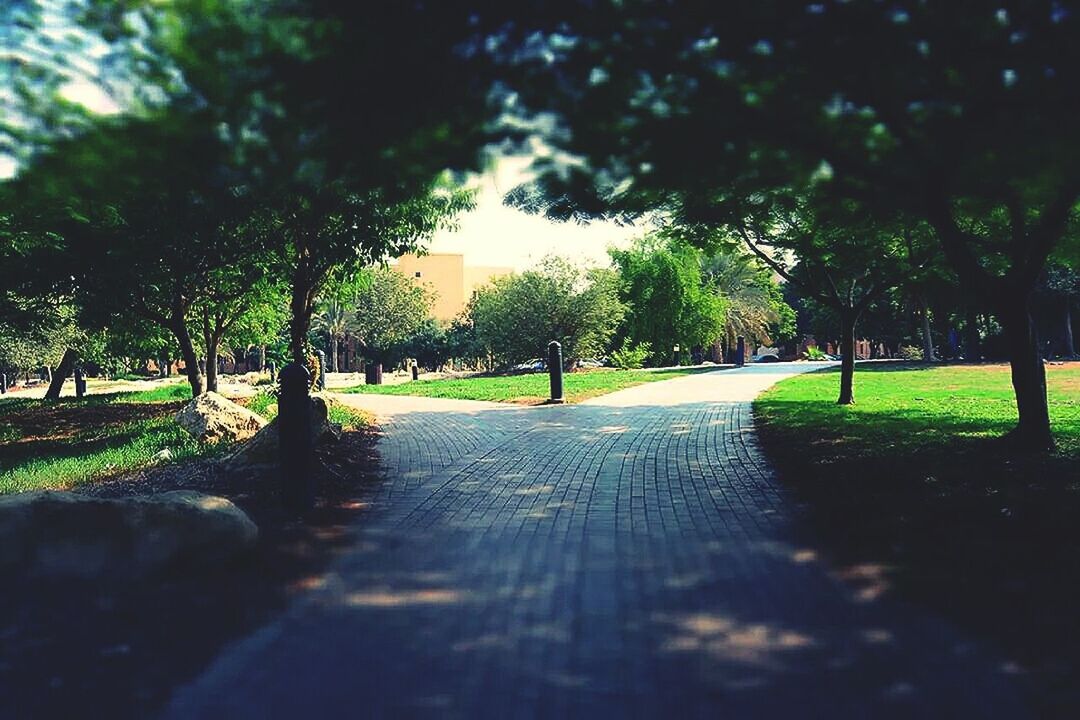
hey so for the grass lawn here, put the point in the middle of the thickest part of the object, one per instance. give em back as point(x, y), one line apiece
point(912, 495)
point(531, 389)
point(59, 445)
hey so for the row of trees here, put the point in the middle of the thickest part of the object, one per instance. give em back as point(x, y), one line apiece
point(776, 127)
point(659, 293)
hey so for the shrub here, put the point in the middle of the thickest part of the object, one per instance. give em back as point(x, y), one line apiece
point(910, 352)
point(628, 358)
point(813, 352)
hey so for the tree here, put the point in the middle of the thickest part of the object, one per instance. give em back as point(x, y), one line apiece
point(336, 309)
point(836, 252)
point(755, 306)
point(516, 316)
point(669, 302)
point(389, 310)
point(966, 127)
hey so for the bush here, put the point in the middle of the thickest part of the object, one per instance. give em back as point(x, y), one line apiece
point(813, 352)
point(628, 358)
point(910, 352)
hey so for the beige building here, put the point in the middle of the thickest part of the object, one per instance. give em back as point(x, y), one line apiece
point(452, 280)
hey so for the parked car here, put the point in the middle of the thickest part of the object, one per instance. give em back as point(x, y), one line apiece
point(534, 365)
point(590, 363)
point(766, 358)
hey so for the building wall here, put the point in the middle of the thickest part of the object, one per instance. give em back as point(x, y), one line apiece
point(444, 274)
point(450, 278)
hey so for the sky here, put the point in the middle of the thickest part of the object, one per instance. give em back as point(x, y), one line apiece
point(494, 234)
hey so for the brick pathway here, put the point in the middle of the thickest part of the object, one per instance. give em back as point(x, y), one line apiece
point(632, 556)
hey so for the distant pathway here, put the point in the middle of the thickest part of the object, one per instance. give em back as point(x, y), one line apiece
point(632, 556)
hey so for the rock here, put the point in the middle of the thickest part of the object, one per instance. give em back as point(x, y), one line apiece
point(62, 535)
point(263, 448)
point(211, 418)
point(163, 455)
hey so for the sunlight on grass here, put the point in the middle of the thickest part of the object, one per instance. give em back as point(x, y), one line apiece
point(109, 451)
point(526, 389)
point(913, 407)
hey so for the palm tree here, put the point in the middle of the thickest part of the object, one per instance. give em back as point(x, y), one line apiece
point(753, 300)
point(335, 315)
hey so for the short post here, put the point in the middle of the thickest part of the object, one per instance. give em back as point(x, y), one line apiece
point(322, 369)
point(740, 351)
point(555, 371)
point(80, 382)
point(273, 371)
point(415, 372)
point(675, 355)
point(294, 438)
point(3, 383)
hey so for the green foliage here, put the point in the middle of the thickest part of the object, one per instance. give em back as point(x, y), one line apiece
point(813, 352)
point(389, 310)
point(755, 307)
point(669, 302)
point(516, 316)
point(910, 352)
point(630, 357)
point(428, 345)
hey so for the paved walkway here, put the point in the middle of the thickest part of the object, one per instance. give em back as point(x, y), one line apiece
point(632, 556)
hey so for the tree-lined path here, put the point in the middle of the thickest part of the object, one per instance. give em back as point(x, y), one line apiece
point(632, 556)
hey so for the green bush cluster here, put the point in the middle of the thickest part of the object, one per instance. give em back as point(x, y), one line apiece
point(630, 356)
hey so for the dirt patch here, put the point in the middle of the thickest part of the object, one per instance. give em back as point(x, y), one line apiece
point(121, 650)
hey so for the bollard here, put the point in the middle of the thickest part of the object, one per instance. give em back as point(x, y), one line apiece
point(80, 382)
point(555, 371)
point(322, 369)
point(273, 371)
point(415, 372)
point(740, 351)
point(294, 438)
point(3, 383)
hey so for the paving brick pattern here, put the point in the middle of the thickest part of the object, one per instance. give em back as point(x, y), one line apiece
point(632, 556)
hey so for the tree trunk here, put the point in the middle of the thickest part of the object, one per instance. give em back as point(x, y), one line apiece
point(299, 317)
point(1032, 432)
point(210, 344)
point(190, 358)
point(262, 358)
point(212, 365)
point(847, 358)
point(333, 353)
point(63, 371)
point(971, 335)
point(1070, 347)
point(928, 336)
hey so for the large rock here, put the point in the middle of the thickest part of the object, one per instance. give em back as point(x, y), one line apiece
point(211, 418)
point(263, 448)
point(58, 535)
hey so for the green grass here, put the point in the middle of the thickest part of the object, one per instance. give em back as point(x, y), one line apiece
point(265, 404)
point(62, 444)
point(913, 408)
point(99, 452)
point(526, 389)
point(910, 493)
